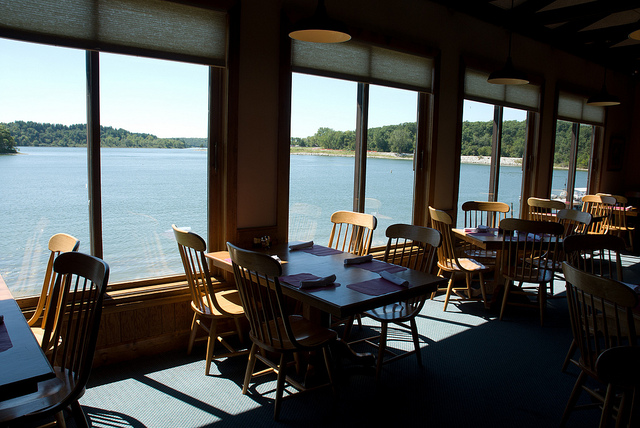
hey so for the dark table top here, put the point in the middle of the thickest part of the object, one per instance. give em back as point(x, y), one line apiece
point(340, 301)
point(22, 362)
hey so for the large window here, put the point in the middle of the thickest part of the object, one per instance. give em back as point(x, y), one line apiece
point(121, 198)
point(576, 132)
point(495, 133)
point(359, 138)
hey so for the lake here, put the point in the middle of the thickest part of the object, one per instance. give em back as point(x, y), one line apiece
point(144, 191)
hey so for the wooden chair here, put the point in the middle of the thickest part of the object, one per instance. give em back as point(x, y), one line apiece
point(618, 368)
point(58, 244)
point(209, 305)
point(352, 232)
point(448, 261)
point(529, 251)
point(413, 247)
point(574, 222)
point(601, 313)
point(273, 329)
point(482, 213)
point(595, 254)
point(69, 342)
point(600, 208)
point(619, 224)
point(544, 209)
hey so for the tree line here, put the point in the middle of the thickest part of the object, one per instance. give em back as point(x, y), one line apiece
point(476, 140)
point(56, 135)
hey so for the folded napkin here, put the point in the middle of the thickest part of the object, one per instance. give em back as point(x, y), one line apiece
point(301, 246)
point(320, 282)
point(482, 228)
point(358, 260)
point(393, 278)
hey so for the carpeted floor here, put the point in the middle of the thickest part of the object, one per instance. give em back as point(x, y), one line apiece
point(477, 372)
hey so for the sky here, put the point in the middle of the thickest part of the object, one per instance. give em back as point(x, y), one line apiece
point(46, 84)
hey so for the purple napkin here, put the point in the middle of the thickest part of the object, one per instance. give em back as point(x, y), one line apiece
point(319, 250)
point(378, 266)
point(296, 280)
point(375, 287)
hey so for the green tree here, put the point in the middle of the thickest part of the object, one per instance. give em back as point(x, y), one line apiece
point(7, 143)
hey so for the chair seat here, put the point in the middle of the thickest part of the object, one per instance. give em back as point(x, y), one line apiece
point(469, 265)
point(229, 301)
point(395, 312)
point(305, 332)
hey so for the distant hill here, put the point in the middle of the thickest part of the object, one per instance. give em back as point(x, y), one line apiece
point(56, 135)
point(195, 142)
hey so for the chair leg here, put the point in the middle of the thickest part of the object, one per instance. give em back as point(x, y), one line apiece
point(433, 295)
point(382, 345)
point(449, 288)
point(211, 344)
point(570, 352)
point(348, 326)
point(416, 339)
point(573, 398)
point(483, 290)
point(282, 375)
point(251, 363)
point(504, 298)
point(467, 278)
point(326, 351)
point(607, 407)
point(542, 297)
point(78, 415)
point(194, 330)
point(239, 329)
point(60, 422)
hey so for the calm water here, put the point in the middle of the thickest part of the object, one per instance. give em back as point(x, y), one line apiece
point(144, 191)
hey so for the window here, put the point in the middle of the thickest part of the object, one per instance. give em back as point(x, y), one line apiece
point(494, 142)
point(136, 211)
point(576, 132)
point(373, 123)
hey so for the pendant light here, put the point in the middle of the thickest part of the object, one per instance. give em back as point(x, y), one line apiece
point(319, 28)
point(635, 35)
point(603, 98)
point(508, 75)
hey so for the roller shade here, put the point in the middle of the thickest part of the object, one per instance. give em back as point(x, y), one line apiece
point(476, 88)
point(153, 28)
point(365, 63)
point(574, 108)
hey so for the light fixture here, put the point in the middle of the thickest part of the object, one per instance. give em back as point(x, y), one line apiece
point(319, 28)
point(603, 98)
point(508, 75)
point(635, 35)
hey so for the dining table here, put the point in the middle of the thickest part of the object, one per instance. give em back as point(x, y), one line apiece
point(22, 363)
point(357, 286)
point(487, 239)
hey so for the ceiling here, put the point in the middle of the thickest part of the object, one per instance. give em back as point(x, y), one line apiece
point(596, 30)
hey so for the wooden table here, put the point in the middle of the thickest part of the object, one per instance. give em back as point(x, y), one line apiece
point(22, 362)
point(339, 301)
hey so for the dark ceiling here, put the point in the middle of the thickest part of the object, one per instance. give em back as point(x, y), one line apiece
point(597, 30)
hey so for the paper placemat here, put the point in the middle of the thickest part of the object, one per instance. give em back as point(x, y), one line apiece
point(296, 279)
point(378, 266)
point(375, 287)
point(319, 250)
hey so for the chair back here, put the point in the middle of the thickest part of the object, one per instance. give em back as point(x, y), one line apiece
point(488, 214)
point(352, 232)
point(618, 212)
point(544, 209)
point(600, 208)
point(595, 254)
point(574, 222)
point(443, 223)
point(58, 244)
point(70, 334)
point(261, 294)
point(192, 252)
point(412, 246)
point(529, 249)
point(601, 313)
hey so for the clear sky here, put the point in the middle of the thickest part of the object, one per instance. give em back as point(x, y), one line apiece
point(46, 84)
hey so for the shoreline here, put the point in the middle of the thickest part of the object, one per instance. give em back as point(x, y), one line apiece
point(474, 160)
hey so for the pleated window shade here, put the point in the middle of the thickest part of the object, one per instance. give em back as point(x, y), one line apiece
point(364, 63)
point(574, 108)
point(152, 28)
point(476, 88)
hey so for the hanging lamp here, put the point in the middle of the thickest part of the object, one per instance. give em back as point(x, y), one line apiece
point(508, 75)
point(635, 35)
point(603, 98)
point(320, 28)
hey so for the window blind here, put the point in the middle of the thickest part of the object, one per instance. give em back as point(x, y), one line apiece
point(364, 63)
point(153, 28)
point(574, 108)
point(477, 88)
